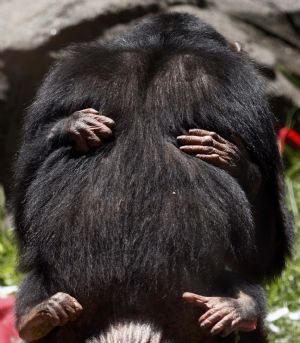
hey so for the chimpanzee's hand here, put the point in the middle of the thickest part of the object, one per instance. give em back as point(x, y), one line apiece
point(212, 148)
point(85, 129)
point(57, 310)
point(225, 315)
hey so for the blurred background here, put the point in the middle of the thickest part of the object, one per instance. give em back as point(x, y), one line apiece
point(33, 33)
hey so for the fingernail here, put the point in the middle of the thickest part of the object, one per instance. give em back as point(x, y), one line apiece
point(178, 137)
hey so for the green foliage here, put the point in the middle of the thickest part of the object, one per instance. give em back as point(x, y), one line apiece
point(284, 292)
point(8, 250)
point(290, 76)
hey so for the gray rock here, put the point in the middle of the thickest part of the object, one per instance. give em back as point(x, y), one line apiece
point(29, 27)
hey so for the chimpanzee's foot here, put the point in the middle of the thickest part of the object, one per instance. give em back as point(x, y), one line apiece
point(55, 311)
point(225, 315)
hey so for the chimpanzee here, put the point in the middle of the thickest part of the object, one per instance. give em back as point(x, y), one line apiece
point(177, 189)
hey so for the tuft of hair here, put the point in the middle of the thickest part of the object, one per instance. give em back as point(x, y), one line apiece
point(129, 332)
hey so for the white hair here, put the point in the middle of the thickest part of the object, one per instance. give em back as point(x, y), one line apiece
point(129, 332)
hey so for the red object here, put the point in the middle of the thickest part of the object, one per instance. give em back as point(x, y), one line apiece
point(8, 331)
point(286, 135)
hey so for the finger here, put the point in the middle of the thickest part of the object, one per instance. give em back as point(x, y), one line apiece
point(213, 318)
point(199, 132)
point(94, 142)
point(207, 314)
point(195, 140)
point(199, 149)
point(61, 313)
point(54, 316)
point(201, 141)
point(221, 325)
point(72, 314)
point(78, 306)
point(102, 131)
point(89, 110)
point(68, 305)
point(90, 121)
point(214, 135)
point(80, 143)
point(195, 298)
point(98, 122)
point(101, 118)
point(91, 138)
point(106, 120)
point(70, 301)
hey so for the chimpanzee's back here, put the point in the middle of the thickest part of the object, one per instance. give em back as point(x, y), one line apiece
point(127, 228)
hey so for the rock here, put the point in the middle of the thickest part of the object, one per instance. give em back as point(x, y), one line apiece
point(30, 28)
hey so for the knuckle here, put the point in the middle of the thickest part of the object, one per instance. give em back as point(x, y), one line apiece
point(207, 140)
point(77, 114)
point(82, 127)
point(230, 156)
point(211, 150)
point(58, 295)
point(90, 111)
point(105, 130)
point(53, 304)
point(101, 117)
point(196, 132)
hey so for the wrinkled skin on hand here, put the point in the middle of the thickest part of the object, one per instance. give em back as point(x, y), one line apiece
point(231, 157)
point(86, 129)
point(57, 310)
point(225, 315)
point(210, 147)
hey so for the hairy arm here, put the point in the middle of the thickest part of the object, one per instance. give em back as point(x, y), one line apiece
point(53, 122)
point(273, 228)
point(229, 156)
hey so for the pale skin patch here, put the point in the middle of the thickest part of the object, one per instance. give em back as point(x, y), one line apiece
point(58, 310)
point(224, 315)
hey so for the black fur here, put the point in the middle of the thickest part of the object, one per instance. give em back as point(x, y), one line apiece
point(127, 228)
